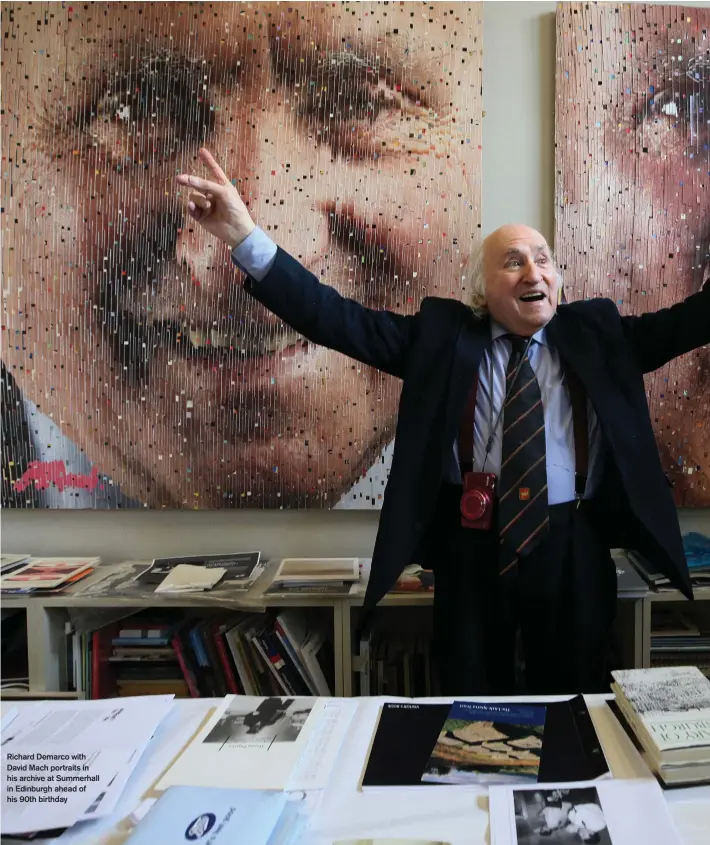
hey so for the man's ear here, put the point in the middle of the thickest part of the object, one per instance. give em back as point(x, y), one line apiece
point(561, 298)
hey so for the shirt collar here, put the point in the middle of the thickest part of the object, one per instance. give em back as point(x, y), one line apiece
point(498, 331)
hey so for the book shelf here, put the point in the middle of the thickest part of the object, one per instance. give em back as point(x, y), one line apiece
point(45, 618)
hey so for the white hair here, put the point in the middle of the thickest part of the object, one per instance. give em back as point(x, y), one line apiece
point(475, 280)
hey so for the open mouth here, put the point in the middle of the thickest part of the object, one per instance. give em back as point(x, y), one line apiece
point(230, 346)
point(532, 297)
point(254, 346)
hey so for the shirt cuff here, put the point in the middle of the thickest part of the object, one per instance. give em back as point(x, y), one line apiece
point(255, 255)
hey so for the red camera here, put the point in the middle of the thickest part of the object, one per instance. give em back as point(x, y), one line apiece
point(477, 500)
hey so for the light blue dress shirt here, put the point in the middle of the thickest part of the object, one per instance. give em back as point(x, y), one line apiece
point(557, 409)
point(255, 256)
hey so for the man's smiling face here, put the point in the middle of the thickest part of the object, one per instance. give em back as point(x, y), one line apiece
point(521, 279)
point(354, 135)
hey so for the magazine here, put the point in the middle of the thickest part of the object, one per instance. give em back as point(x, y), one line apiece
point(45, 573)
point(488, 743)
point(241, 568)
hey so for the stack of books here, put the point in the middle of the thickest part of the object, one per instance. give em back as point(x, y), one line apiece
point(667, 712)
point(320, 576)
point(256, 655)
point(394, 664)
point(697, 553)
point(231, 652)
point(677, 640)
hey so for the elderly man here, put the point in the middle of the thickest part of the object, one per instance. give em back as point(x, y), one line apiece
point(524, 447)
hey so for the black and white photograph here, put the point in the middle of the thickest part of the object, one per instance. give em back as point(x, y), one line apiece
point(272, 720)
point(564, 816)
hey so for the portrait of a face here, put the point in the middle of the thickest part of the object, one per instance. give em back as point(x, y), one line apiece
point(138, 372)
point(633, 191)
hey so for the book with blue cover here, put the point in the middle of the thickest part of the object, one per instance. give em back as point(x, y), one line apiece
point(218, 817)
point(488, 743)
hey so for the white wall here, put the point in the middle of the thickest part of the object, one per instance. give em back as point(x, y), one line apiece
point(518, 185)
point(519, 121)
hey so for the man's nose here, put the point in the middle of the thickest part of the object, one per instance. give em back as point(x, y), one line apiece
point(533, 274)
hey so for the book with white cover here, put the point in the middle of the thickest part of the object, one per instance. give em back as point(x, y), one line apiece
point(669, 710)
point(306, 570)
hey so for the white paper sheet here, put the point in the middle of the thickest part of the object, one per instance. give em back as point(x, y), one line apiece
point(64, 761)
point(173, 733)
point(185, 578)
point(250, 743)
point(318, 758)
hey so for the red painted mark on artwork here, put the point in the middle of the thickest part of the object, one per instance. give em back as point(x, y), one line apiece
point(46, 473)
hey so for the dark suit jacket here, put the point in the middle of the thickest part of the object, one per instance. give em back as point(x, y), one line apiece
point(436, 353)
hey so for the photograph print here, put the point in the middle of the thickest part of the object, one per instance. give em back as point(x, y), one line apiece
point(560, 816)
point(497, 743)
point(272, 720)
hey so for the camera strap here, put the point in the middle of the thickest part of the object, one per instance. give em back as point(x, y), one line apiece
point(580, 424)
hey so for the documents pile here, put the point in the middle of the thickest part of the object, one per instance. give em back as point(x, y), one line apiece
point(44, 575)
point(9, 562)
point(196, 573)
point(265, 743)
point(68, 761)
point(316, 576)
point(667, 710)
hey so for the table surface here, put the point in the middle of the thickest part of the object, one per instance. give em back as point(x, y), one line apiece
point(454, 814)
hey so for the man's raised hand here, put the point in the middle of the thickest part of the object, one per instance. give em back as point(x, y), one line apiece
point(215, 203)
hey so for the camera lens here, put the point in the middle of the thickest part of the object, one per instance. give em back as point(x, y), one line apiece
point(473, 505)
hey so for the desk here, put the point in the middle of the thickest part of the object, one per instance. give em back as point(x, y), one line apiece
point(455, 814)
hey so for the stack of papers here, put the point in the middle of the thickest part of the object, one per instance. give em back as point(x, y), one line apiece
point(323, 575)
point(265, 743)
point(8, 562)
point(47, 574)
point(185, 578)
point(239, 570)
point(68, 761)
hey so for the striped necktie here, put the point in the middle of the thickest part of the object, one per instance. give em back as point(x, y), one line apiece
point(523, 510)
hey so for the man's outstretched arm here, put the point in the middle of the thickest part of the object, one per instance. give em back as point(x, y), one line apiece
point(378, 338)
point(660, 336)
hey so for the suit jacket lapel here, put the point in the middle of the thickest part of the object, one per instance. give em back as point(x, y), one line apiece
point(575, 350)
point(473, 339)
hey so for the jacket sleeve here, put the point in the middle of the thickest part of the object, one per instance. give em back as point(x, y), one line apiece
point(379, 339)
point(660, 336)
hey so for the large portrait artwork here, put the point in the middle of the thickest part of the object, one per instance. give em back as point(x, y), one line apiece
point(135, 370)
point(633, 191)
